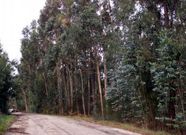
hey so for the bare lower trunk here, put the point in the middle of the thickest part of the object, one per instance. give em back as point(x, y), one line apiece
point(99, 88)
point(105, 77)
point(181, 96)
point(59, 85)
point(93, 89)
point(89, 96)
point(65, 102)
point(147, 96)
point(71, 92)
point(76, 84)
point(67, 91)
point(25, 101)
point(46, 84)
point(77, 103)
point(171, 105)
point(82, 93)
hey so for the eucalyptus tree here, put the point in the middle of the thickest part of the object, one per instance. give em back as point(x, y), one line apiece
point(103, 57)
point(141, 23)
point(5, 81)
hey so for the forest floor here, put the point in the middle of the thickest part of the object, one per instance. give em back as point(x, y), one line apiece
point(35, 124)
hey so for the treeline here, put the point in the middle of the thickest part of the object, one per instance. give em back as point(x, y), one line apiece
point(6, 81)
point(120, 59)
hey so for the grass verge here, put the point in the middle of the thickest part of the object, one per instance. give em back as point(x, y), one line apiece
point(5, 121)
point(120, 125)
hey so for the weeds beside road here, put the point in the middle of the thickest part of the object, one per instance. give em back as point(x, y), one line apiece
point(5, 121)
point(125, 126)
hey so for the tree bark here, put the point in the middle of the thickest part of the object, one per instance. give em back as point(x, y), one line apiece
point(25, 101)
point(89, 95)
point(99, 88)
point(71, 91)
point(66, 83)
point(171, 104)
point(148, 97)
point(46, 84)
point(105, 77)
point(59, 85)
point(65, 102)
point(166, 14)
point(82, 93)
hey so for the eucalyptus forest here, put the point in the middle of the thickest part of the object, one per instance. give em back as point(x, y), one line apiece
point(120, 60)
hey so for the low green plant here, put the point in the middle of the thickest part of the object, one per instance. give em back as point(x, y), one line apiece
point(5, 121)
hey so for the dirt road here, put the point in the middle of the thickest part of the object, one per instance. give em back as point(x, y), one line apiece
point(33, 124)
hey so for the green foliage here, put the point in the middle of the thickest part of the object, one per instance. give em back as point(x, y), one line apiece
point(122, 94)
point(5, 121)
point(129, 53)
point(168, 76)
point(5, 81)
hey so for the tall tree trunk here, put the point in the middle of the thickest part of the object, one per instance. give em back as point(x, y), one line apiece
point(82, 93)
point(25, 101)
point(76, 93)
point(93, 90)
point(105, 77)
point(46, 83)
point(99, 88)
point(166, 14)
point(89, 95)
point(147, 95)
point(71, 91)
point(171, 104)
point(181, 93)
point(65, 91)
point(59, 85)
point(68, 104)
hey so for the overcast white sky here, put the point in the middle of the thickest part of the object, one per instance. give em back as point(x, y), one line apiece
point(14, 16)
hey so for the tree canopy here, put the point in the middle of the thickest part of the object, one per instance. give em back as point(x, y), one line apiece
point(5, 81)
point(116, 59)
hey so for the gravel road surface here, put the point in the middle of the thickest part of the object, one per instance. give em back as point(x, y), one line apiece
point(34, 124)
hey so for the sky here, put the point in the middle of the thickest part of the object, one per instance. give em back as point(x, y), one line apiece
point(14, 16)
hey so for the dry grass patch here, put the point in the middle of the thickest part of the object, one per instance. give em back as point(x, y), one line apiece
point(120, 125)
